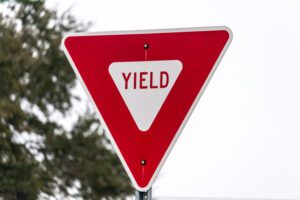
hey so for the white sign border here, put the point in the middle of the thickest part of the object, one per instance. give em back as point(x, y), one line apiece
point(174, 30)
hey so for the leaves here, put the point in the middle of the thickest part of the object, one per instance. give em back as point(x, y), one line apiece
point(38, 156)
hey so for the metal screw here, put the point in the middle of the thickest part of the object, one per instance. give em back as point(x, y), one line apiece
point(146, 46)
point(143, 162)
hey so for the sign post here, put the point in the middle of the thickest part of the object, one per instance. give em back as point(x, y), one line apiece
point(144, 86)
point(143, 195)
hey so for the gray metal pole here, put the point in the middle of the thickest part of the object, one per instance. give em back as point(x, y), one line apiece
point(143, 195)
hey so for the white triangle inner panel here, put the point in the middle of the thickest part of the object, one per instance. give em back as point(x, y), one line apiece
point(144, 86)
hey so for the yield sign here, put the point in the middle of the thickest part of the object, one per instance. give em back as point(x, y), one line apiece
point(144, 86)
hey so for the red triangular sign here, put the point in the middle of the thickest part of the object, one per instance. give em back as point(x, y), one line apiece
point(144, 86)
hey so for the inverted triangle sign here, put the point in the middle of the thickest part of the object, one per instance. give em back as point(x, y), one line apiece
point(144, 96)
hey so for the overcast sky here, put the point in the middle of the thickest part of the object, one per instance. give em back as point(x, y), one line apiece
point(243, 139)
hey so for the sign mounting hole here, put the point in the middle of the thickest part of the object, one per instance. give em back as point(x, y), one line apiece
point(146, 46)
point(143, 162)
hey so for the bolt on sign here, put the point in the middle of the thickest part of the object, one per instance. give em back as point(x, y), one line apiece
point(144, 86)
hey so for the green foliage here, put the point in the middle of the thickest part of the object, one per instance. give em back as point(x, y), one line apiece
point(35, 82)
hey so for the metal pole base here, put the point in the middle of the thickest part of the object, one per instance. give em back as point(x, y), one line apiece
point(143, 195)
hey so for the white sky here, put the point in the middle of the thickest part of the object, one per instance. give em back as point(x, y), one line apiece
point(243, 139)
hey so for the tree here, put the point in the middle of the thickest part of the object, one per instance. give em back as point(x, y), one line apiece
point(39, 157)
